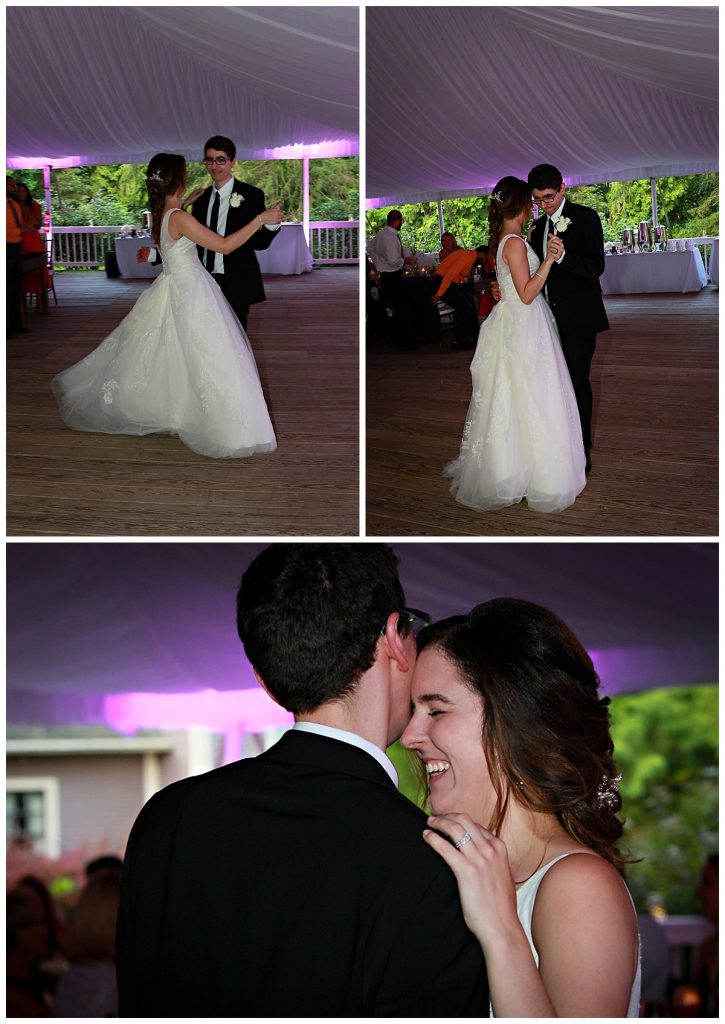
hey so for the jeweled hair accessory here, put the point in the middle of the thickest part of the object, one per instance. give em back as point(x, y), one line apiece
point(496, 196)
point(155, 177)
point(608, 793)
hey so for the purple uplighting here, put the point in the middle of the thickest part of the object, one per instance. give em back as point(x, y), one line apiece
point(298, 150)
point(239, 710)
point(29, 163)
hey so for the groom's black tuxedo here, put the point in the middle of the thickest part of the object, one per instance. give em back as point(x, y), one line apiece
point(294, 884)
point(575, 297)
point(241, 281)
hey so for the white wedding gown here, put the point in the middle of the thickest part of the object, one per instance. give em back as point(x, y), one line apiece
point(522, 437)
point(525, 901)
point(179, 363)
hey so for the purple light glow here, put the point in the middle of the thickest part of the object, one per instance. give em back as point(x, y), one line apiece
point(298, 150)
point(236, 711)
point(30, 163)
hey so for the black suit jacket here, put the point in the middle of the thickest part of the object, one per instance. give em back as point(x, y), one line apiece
point(241, 266)
point(294, 884)
point(573, 288)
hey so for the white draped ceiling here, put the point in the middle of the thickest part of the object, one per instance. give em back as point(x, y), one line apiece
point(105, 84)
point(86, 621)
point(458, 97)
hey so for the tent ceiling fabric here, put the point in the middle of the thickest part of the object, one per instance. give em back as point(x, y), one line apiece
point(86, 620)
point(458, 97)
point(118, 84)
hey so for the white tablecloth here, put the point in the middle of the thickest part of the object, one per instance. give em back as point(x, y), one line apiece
point(126, 249)
point(628, 273)
point(288, 254)
point(714, 268)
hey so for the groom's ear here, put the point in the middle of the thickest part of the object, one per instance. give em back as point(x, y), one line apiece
point(396, 643)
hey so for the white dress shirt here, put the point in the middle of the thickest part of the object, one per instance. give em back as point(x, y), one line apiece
point(354, 740)
point(225, 193)
point(221, 225)
point(388, 250)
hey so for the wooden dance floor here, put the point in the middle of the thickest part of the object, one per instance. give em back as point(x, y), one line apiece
point(66, 483)
point(655, 455)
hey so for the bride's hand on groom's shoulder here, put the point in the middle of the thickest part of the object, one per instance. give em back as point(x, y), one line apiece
point(192, 197)
point(480, 862)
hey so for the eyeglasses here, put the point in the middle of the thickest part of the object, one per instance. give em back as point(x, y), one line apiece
point(217, 161)
point(548, 198)
point(412, 619)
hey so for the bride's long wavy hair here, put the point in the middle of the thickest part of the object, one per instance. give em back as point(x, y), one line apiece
point(546, 733)
point(165, 175)
point(509, 197)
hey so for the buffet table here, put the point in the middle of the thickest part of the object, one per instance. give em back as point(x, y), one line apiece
point(629, 273)
point(128, 266)
point(288, 254)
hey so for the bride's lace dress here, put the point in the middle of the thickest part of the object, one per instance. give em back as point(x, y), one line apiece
point(179, 363)
point(522, 437)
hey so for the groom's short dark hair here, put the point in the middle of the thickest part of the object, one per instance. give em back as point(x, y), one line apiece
point(310, 617)
point(545, 176)
point(223, 143)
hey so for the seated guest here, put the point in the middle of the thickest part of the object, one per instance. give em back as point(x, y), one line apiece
point(486, 300)
point(106, 862)
point(88, 987)
point(448, 284)
point(27, 947)
point(448, 245)
point(707, 961)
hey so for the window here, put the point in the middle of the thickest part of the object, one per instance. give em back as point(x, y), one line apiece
point(32, 814)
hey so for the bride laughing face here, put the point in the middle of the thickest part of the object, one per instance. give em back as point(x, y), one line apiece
point(445, 731)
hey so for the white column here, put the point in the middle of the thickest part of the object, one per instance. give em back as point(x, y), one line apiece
point(200, 750)
point(150, 775)
point(49, 213)
point(306, 197)
point(440, 216)
point(655, 211)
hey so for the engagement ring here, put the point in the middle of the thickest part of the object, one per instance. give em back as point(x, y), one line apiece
point(465, 838)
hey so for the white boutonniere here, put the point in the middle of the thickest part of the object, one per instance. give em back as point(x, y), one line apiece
point(561, 225)
point(236, 199)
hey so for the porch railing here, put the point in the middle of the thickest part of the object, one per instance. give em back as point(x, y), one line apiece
point(331, 241)
point(84, 246)
point(334, 241)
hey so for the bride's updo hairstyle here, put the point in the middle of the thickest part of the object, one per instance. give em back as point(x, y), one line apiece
point(165, 175)
point(545, 728)
point(509, 197)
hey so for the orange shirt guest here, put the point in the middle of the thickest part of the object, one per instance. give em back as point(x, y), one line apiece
point(455, 268)
point(448, 281)
point(13, 262)
point(448, 245)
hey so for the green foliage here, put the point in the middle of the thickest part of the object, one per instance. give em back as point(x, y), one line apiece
point(666, 747)
point(116, 193)
point(410, 783)
point(688, 207)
